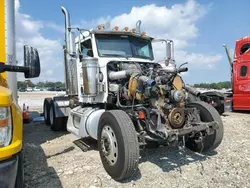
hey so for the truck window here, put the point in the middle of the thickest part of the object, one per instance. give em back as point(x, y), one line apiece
point(243, 70)
point(123, 46)
point(244, 48)
point(86, 47)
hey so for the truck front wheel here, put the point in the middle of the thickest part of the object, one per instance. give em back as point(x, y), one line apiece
point(118, 144)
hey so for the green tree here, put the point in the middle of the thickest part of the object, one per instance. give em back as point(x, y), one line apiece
point(218, 85)
point(21, 84)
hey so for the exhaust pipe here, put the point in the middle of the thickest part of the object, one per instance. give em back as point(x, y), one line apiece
point(126, 73)
point(229, 60)
point(70, 58)
point(228, 56)
point(138, 26)
point(192, 90)
point(169, 59)
point(147, 80)
point(170, 51)
point(69, 35)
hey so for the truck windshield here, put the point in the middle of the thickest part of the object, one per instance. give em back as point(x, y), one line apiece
point(124, 46)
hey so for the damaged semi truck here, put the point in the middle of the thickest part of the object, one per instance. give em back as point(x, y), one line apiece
point(119, 95)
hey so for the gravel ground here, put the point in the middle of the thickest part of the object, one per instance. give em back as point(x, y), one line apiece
point(55, 160)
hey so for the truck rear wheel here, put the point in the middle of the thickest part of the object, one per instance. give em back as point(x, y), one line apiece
point(118, 144)
point(209, 142)
point(56, 123)
point(46, 107)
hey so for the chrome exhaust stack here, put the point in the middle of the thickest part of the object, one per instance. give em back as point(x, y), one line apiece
point(228, 56)
point(70, 57)
point(229, 60)
point(69, 35)
point(138, 26)
point(170, 51)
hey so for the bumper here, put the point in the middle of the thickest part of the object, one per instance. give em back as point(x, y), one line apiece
point(10, 150)
point(8, 172)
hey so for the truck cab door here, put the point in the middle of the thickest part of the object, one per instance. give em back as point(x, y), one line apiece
point(241, 98)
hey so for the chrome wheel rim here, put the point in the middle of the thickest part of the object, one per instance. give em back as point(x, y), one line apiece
point(109, 145)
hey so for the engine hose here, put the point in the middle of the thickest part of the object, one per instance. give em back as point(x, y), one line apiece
point(147, 80)
point(139, 126)
point(123, 106)
point(146, 110)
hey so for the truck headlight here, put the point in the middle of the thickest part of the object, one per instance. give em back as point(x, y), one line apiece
point(5, 126)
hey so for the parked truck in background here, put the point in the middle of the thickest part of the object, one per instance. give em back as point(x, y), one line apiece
point(11, 122)
point(214, 98)
point(120, 96)
point(240, 75)
point(238, 98)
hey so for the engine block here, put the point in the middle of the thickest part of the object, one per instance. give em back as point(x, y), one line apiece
point(148, 85)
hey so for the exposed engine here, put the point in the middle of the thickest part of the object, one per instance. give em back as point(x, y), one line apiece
point(149, 90)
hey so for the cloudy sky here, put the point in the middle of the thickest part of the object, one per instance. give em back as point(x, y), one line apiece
point(198, 28)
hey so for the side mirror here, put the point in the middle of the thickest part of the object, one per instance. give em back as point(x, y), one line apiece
point(31, 68)
point(31, 62)
point(169, 59)
point(84, 33)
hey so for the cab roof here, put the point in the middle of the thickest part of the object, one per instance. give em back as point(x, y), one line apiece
point(111, 32)
point(246, 38)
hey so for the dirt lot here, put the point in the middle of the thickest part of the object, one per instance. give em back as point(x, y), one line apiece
point(54, 160)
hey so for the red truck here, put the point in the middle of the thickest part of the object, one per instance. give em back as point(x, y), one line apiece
point(240, 74)
point(237, 99)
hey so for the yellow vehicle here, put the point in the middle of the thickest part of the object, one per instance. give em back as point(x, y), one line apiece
point(11, 124)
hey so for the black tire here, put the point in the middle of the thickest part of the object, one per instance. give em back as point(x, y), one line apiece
point(207, 114)
point(32, 61)
point(56, 123)
point(192, 98)
point(46, 107)
point(20, 172)
point(127, 142)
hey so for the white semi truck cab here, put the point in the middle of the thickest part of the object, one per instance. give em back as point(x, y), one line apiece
point(119, 95)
